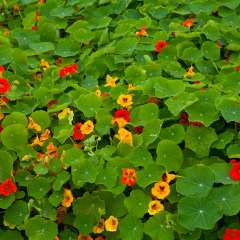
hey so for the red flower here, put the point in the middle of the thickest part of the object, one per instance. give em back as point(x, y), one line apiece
point(238, 68)
point(129, 177)
point(4, 86)
point(1, 128)
point(232, 234)
point(71, 69)
point(8, 187)
point(77, 134)
point(52, 102)
point(184, 121)
point(122, 113)
point(235, 171)
point(160, 45)
point(138, 129)
point(2, 69)
point(34, 28)
point(188, 23)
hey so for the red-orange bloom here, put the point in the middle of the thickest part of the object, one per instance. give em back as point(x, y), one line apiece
point(235, 170)
point(2, 69)
point(34, 28)
point(71, 69)
point(160, 45)
point(4, 86)
point(188, 23)
point(238, 68)
point(129, 176)
point(77, 133)
point(142, 32)
point(232, 234)
point(8, 187)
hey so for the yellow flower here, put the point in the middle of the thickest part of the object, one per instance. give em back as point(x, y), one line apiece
point(131, 87)
point(2, 116)
point(125, 136)
point(169, 177)
point(121, 122)
point(44, 64)
point(68, 198)
point(190, 72)
point(160, 190)
point(155, 207)
point(67, 112)
point(111, 224)
point(34, 125)
point(125, 100)
point(99, 228)
point(36, 142)
point(111, 81)
point(87, 127)
point(98, 92)
point(45, 135)
point(25, 158)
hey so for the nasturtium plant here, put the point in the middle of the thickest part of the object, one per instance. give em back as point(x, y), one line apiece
point(119, 119)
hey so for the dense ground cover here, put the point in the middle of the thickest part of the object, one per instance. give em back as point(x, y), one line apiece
point(119, 119)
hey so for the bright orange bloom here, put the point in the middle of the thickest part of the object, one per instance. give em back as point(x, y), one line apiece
point(44, 64)
point(52, 150)
point(142, 32)
point(87, 127)
point(160, 190)
point(129, 177)
point(188, 23)
point(125, 136)
point(125, 100)
point(111, 224)
point(68, 198)
point(155, 207)
point(190, 72)
point(34, 125)
point(99, 228)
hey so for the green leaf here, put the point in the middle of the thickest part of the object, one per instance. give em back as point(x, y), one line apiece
point(62, 12)
point(15, 117)
point(210, 50)
point(224, 139)
point(89, 104)
point(5, 55)
point(14, 136)
point(150, 174)
point(42, 47)
point(168, 88)
point(83, 35)
point(107, 177)
point(5, 202)
point(137, 203)
point(174, 133)
point(6, 165)
point(200, 139)
point(38, 228)
point(61, 179)
point(227, 198)
point(229, 109)
point(131, 228)
point(198, 213)
point(67, 48)
point(151, 131)
point(169, 155)
point(195, 181)
point(6, 235)
point(42, 118)
point(73, 157)
point(16, 214)
point(38, 187)
point(180, 102)
point(126, 46)
point(159, 228)
point(135, 74)
point(233, 150)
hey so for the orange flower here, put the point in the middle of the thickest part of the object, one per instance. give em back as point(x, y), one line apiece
point(111, 224)
point(99, 228)
point(87, 127)
point(190, 72)
point(129, 177)
point(168, 177)
point(52, 150)
point(160, 190)
point(125, 136)
point(131, 87)
point(155, 207)
point(44, 64)
point(68, 198)
point(142, 32)
point(125, 100)
point(33, 125)
point(188, 23)
point(45, 135)
point(2, 116)
point(81, 237)
point(36, 142)
point(111, 81)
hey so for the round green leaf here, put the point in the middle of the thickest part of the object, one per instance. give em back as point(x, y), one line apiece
point(15, 117)
point(174, 133)
point(42, 118)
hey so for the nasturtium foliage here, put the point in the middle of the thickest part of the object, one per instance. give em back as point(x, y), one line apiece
point(119, 119)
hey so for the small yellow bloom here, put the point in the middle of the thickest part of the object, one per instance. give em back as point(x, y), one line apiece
point(125, 136)
point(125, 100)
point(36, 142)
point(68, 198)
point(45, 135)
point(131, 87)
point(160, 190)
point(169, 177)
point(98, 92)
point(121, 122)
point(99, 228)
point(2, 116)
point(44, 64)
point(67, 112)
point(190, 72)
point(87, 127)
point(25, 158)
point(34, 125)
point(111, 81)
point(155, 207)
point(111, 224)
